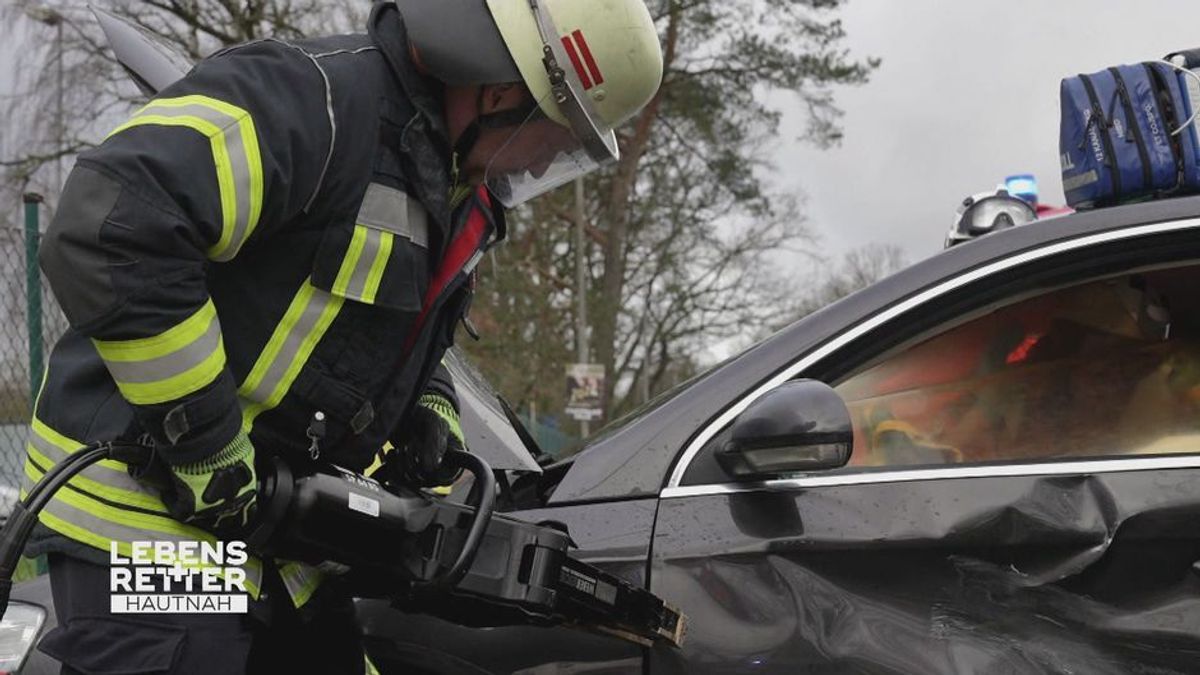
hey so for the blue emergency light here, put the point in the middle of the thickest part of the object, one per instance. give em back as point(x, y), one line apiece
point(1024, 186)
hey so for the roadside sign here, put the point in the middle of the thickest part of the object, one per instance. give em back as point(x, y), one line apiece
point(585, 391)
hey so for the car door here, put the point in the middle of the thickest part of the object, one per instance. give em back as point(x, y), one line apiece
point(1023, 493)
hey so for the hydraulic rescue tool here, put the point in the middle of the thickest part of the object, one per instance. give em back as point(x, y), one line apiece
point(461, 562)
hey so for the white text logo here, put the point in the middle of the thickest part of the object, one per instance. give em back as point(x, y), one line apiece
point(178, 577)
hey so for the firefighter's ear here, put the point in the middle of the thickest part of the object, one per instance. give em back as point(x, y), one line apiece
point(501, 96)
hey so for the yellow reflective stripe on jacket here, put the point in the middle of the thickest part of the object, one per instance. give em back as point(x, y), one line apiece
point(111, 487)
point(309, 315)
point(375, 274)
point(42, 432)
point(236, 156)
point(357, 242)
point(300, 580)
point(121, 524)
point(107, 478)
point(305, 322)
point(362, 268)
point(89, 519)
point(168, 366)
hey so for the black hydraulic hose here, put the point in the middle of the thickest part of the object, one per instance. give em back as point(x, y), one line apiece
point(25, 513)
point(485, 483)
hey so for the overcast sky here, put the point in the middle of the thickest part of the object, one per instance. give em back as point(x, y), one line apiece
point(967, 94)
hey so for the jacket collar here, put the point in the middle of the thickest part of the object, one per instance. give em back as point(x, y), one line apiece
point(427, 139)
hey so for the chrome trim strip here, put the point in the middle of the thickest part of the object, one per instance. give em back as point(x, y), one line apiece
point(870, 324)
point(945, 473)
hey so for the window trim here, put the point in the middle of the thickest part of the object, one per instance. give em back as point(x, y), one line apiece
point(831, 346)
point(901, 475)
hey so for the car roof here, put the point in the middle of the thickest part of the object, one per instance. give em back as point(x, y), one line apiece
point(634, 459)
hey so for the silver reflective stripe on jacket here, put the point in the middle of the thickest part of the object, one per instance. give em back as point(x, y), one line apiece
point(389, 209)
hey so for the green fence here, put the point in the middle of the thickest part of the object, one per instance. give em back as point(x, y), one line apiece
point(32, 322)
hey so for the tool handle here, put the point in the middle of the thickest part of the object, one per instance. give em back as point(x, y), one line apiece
point(484, 505)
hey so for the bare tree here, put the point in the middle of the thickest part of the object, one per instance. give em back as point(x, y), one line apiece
point(694, 156)
point(858, 269)
point(66, 92)
point(95, 93)
point(683, 229)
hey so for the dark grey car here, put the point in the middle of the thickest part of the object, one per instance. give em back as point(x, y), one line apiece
point(1023, 494)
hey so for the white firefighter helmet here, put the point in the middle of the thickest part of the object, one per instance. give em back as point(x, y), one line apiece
point(589, 64)
point(988, 212)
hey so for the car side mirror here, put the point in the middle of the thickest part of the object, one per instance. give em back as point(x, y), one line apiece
point(800, 426)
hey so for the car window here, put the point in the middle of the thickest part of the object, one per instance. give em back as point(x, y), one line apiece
point(1107, 368)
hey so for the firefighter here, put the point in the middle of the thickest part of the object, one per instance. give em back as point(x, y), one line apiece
point(271, 258)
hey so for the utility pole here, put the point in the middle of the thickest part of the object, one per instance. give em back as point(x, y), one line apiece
point(581, 340)
point(50, 17)
point(59, 122)
point(33, 293)
point(533, 421)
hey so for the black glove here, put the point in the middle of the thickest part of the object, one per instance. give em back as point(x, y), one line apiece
point(432, 429)
point(217, 494)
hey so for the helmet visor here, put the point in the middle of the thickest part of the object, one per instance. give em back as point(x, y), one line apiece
point(557, 160)
point(542, 155)
point(996, 213)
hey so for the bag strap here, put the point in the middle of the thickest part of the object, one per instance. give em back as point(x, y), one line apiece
point(1132, 123)
point(1191, 57)
point(1097, 117)
point(1169, 116)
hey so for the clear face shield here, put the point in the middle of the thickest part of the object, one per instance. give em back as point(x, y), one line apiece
point(982, 214)
point(542, 154)
point(996, 213)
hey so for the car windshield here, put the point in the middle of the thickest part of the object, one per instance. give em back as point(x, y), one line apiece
point(650, 406)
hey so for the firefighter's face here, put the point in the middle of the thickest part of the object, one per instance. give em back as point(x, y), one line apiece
point(531, 147)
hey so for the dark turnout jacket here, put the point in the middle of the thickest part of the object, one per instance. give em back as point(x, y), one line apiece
point(269, 237)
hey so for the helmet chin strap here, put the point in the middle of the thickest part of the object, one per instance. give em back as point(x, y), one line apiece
point(502, 119)
point(462, 148)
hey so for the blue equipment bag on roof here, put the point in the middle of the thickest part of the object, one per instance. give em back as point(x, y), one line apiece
point(1116, 139)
